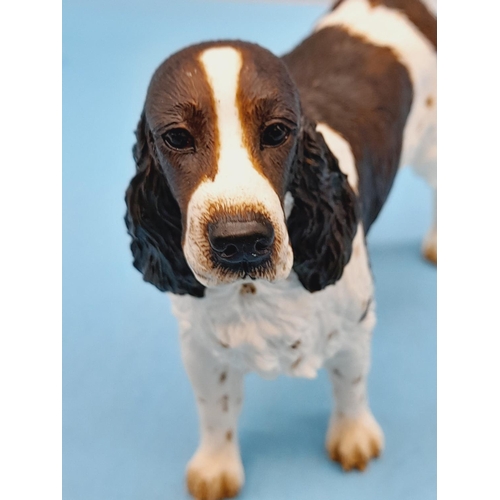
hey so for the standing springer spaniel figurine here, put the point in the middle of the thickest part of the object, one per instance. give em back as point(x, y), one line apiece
point(257, 180)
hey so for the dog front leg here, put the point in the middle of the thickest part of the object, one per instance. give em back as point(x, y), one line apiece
point(354, 437)
point(216, 470)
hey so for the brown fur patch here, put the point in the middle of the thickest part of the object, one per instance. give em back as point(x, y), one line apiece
point(296, 363)
point(429, 101)
point(248, 289)
point(363, 92)
point(180, 96)
point(223, 377)
point(229, 435)
point(296, 344)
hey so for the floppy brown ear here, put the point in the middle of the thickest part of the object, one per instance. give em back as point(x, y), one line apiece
point(323, 221)
point(154, 222)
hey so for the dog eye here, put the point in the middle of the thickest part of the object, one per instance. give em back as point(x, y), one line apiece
point(179, 139)
point(274, 135)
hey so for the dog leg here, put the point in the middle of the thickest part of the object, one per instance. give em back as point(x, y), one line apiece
point(216, 470)
point(354, 437)
point(425, 166)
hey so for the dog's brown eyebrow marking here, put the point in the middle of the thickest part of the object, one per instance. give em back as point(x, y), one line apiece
point(429, 101)
point(180, 96)
point(229, 435)
point(363, 316)
point(174, 116)
point(223, 377)
point(296, 344)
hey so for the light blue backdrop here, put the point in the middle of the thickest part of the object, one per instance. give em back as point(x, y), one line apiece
point(129, 420)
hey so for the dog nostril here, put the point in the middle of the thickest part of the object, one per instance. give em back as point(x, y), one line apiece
point(262, 246)
point(229, 251)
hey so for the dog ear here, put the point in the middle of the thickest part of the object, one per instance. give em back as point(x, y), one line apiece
point(323, 220)
point(154, 222)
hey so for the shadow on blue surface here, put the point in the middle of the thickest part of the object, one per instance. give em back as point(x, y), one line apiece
point(129, 421)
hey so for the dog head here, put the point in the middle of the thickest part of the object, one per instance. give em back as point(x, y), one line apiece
point(221, 145)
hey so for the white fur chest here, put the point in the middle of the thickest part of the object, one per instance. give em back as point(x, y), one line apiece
point(280, 328)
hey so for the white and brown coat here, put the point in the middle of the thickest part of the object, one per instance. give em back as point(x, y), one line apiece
point(297, 156)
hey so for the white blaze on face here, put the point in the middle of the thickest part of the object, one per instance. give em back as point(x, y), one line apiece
point(237, 186)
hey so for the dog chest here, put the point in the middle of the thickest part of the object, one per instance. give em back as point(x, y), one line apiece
point(279, 328)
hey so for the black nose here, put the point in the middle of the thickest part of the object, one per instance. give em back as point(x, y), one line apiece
point(235, 242)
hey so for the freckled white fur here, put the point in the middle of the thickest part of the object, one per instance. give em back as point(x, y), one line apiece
point(237, 182)
point(280, 329)
point(219, 396)
point(255, 332)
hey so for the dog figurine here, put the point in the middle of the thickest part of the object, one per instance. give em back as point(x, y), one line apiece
point(257, 180)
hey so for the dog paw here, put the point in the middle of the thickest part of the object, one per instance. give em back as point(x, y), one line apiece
point(215, 476)
point(429, 247)
point(430, 254)
point(354, 441)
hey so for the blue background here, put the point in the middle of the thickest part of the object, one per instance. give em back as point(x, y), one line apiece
point(129, 420)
